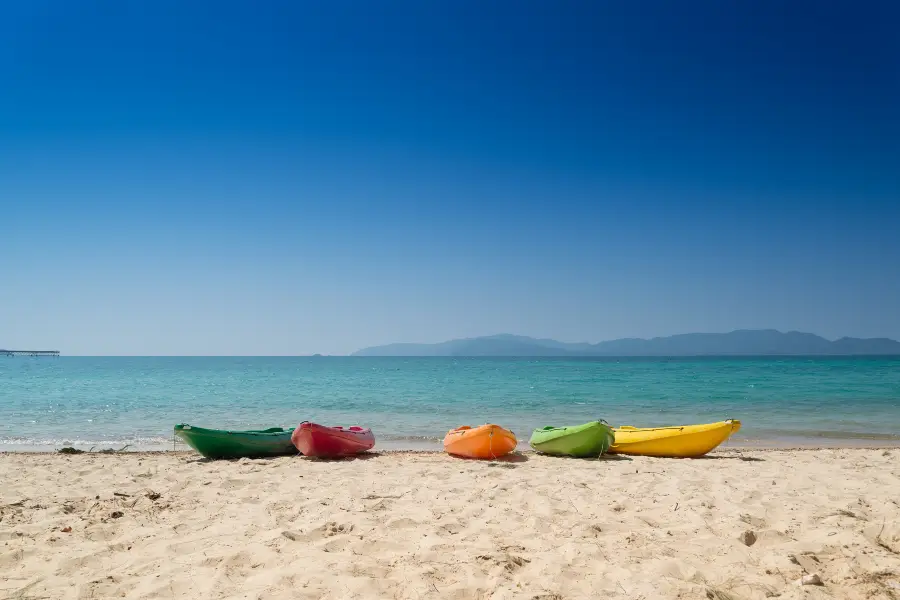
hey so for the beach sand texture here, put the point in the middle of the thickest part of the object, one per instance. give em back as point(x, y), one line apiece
point(421, 525)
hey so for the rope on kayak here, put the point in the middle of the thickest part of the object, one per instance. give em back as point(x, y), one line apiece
point(491, 443)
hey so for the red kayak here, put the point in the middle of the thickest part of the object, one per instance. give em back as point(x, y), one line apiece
point(312, 439)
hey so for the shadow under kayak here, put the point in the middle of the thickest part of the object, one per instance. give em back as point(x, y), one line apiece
point(218, 443)
point(590, 439)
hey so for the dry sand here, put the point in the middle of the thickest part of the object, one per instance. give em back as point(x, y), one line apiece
point(430, 526)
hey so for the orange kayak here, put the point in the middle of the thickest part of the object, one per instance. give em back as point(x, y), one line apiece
point(487, 441)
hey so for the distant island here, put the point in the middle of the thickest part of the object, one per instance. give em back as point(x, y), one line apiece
point(761, 342)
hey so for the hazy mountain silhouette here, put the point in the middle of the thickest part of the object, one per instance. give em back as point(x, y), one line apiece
point(762, 342)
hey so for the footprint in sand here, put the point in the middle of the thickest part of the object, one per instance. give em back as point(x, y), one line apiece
point(10, 559)
point(212, 561)
point(327, 530)
point(756, 522)
point(402, 523)
point(336, 545)
point(107, 587)
point(451, 528)
point(233, 484)
point(591, 531)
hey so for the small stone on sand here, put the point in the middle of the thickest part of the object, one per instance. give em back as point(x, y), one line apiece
point(811, 579)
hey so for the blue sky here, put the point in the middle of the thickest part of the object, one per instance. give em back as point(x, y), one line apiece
point(296, 177)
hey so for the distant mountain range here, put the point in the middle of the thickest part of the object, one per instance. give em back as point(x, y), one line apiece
point(762, 342)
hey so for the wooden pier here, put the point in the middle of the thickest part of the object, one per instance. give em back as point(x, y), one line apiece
point(29, 352)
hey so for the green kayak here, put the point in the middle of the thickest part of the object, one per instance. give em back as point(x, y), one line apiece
point(590, 439)
point(216, 443)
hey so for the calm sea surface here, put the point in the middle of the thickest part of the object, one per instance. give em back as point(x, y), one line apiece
point(47, 403)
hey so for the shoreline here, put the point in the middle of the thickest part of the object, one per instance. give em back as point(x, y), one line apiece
point(426, 443)
point(434, 444)
point(382, 451)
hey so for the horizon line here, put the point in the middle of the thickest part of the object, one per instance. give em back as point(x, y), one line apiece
point(489, 356)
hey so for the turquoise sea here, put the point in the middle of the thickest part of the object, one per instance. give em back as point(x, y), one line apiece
point(47, 403)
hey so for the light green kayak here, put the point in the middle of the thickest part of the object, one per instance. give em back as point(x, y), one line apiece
point(590, 439)
point(218, 443)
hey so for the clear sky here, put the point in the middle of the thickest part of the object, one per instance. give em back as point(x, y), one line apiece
point(221, 177)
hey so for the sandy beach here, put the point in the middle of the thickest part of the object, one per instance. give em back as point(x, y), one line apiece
point(424, 525)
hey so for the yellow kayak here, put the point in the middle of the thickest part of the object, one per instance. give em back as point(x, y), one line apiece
point(685, 441)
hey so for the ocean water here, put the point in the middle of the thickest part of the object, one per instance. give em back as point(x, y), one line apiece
point(47, 403)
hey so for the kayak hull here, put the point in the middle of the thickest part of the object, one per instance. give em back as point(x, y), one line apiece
point(315, 440)
point(219, 443)
point(485, 442)
point(686, 441)
point(587, 440)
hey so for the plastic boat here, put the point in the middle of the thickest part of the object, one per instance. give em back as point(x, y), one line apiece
point(316, 440)
point(219, 443)
point(487, 441)
point(685, 441)
point(590, 439)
